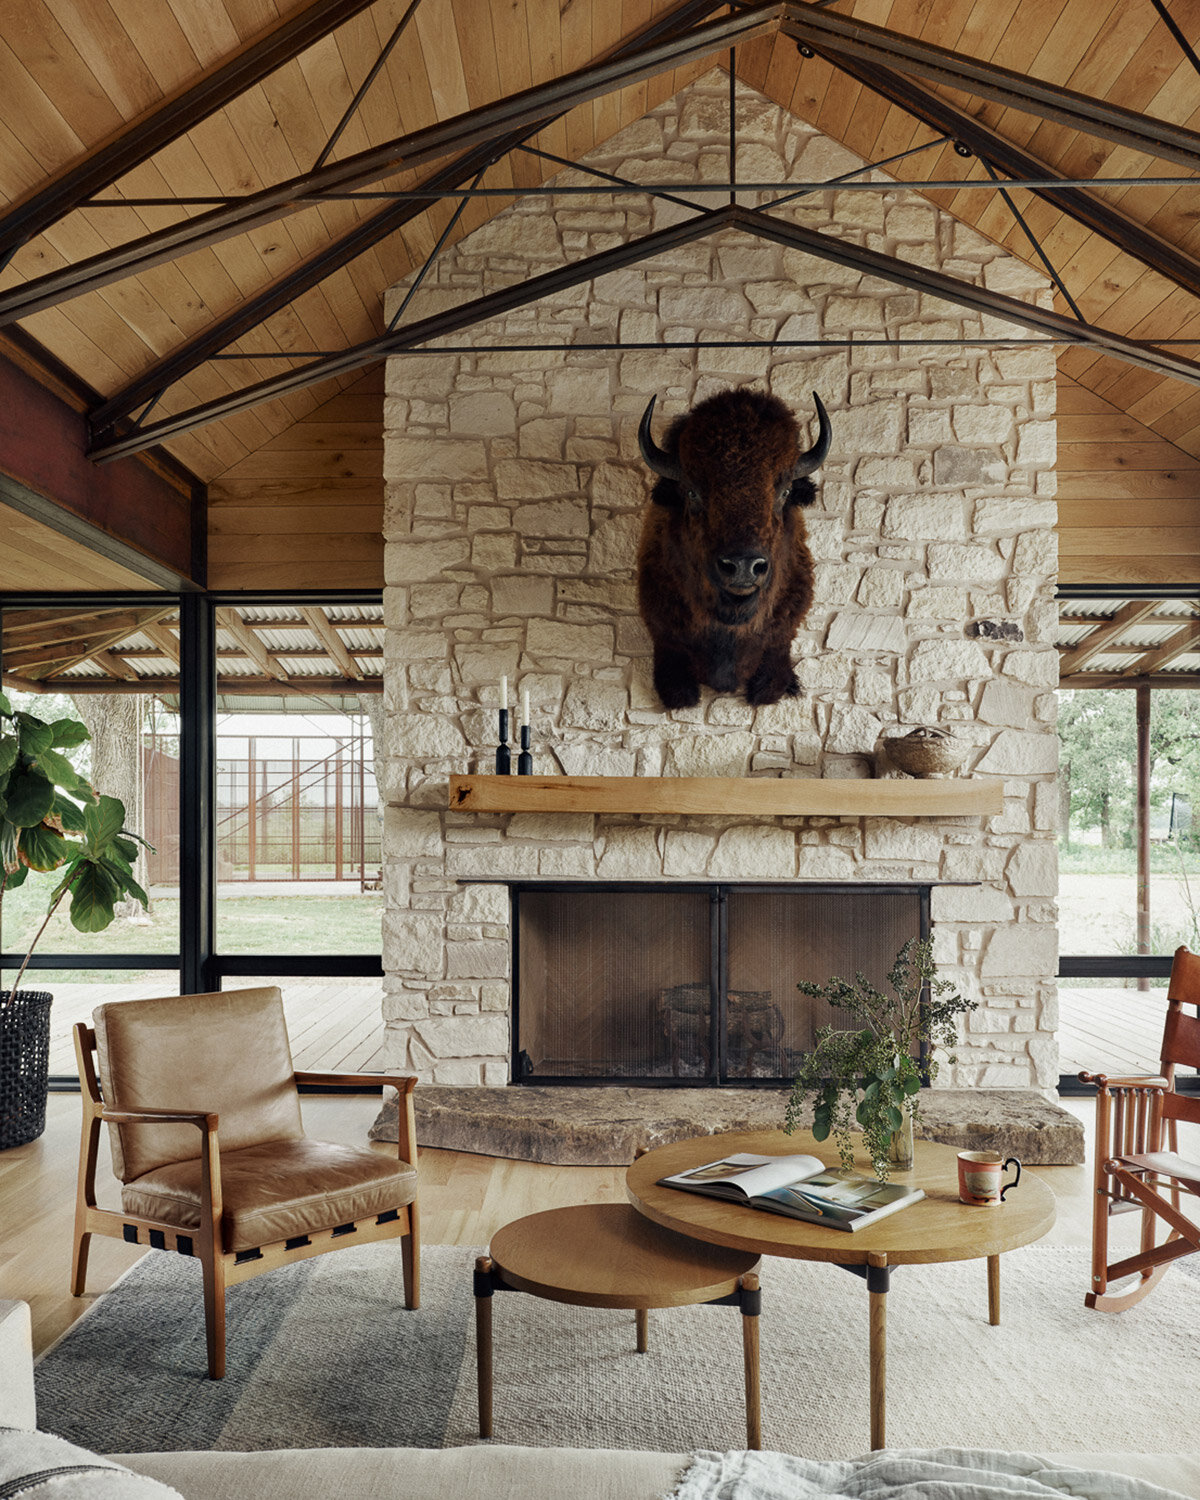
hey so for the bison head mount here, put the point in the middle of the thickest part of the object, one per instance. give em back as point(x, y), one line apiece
point(724, 571)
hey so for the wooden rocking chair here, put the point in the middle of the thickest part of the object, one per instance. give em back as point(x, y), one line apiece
point(1135, 1118)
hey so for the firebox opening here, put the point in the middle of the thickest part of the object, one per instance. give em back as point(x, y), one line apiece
point(690, 984)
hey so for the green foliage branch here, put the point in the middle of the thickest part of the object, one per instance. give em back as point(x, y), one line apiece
point(871, 1075)
point(51, 819)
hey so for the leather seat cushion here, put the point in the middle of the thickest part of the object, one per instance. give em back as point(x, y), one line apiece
point(1166, 1164)
point(277, 1190)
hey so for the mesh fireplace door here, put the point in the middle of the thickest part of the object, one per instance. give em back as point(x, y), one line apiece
point(614, 985)
point(778, 937)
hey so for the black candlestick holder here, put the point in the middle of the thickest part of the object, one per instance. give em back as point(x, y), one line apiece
point(524, 760)
point(503, 755)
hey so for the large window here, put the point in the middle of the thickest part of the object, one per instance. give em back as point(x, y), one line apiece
point(239, 736)
point(1129, 851)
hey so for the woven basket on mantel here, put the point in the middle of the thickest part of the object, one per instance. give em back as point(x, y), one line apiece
point(928, 751)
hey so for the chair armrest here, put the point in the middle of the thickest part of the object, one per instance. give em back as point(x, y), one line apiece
point(369, 1080)
point(406, 1120)
point(205, 1123)
point(1151, 1083)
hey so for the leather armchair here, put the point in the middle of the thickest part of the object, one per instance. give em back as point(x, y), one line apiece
point(203, 1107)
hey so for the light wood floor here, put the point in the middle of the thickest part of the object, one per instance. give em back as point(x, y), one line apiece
point(464, 1200)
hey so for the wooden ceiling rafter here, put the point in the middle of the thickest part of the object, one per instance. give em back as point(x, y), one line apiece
point(327, 634)
point(264, 660)
point(1184, 640)
point(101, 167)
point(39, 660)
point(1073, 659)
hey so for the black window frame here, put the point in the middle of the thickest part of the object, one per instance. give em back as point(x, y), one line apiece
point(201, 967)
point(1114, 965)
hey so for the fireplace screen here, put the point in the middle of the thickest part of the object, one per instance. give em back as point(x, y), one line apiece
point(690, 984)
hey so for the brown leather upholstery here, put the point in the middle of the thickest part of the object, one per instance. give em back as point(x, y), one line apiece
point(277, 1190)
point(225, 1053)
point(202, 1102)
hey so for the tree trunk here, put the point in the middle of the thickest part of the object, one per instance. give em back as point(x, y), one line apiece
point(114, 721)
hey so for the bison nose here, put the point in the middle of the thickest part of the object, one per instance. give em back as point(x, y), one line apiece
point(743, 570)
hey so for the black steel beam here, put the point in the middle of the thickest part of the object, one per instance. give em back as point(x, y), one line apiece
point(462, 132)
point(976, 298)
point(197, 795)
point(1094, 213)
point(1049, 101)
point(494, 304)
point(166, 123)
point(339, 252)
point(870, 262)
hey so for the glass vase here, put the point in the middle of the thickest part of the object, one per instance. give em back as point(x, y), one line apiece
point(900, 1147)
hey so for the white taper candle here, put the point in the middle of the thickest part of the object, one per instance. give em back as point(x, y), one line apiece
point(504, 692)
point(525, 706)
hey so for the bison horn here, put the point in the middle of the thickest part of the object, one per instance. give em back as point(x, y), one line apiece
point(815, 456)
point(656, 459)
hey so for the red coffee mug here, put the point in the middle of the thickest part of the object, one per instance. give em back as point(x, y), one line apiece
point(979, 1174)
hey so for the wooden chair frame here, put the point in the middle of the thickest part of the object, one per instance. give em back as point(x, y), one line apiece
point(222, 1268)
point(1136, 1118)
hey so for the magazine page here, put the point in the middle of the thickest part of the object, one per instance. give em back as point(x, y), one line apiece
point(840, 1199)
point(742, 1175)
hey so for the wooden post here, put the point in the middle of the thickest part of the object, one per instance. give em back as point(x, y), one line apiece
point(483, 1342)
point(750, 1314)
point(1143, 824)
point(877, 1290)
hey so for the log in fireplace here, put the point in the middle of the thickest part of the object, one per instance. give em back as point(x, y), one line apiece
point(691, 983)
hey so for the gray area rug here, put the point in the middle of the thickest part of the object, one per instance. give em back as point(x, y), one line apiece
point(323, 1354)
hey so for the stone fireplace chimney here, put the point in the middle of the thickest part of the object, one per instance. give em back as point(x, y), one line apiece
point(514, 497)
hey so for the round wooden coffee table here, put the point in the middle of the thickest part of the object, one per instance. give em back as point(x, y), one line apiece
point(938, 1228)
point(606, 1255)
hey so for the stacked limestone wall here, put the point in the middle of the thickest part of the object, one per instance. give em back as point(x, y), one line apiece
point(514, 498)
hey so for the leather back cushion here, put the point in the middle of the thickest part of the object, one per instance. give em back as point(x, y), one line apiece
point(225, 1053)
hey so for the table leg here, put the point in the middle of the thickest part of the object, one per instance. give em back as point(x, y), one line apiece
point(993, 1290)
point(643, 1329)
point(483, 1342)
point(878, 1280)
point(751, 1304)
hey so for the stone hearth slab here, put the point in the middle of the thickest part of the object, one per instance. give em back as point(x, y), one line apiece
point(603, 1127)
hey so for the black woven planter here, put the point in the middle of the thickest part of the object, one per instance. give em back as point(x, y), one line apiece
point(24, 1065)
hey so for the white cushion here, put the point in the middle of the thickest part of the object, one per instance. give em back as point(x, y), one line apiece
point(17, 1408)
point(53, 1469)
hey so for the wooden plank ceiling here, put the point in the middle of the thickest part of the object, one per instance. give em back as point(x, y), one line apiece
point(111, 101)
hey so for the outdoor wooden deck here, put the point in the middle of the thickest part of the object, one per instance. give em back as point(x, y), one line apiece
point(1114, 1031)
point(336, 1025)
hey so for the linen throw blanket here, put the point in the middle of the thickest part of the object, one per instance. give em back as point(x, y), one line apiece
point(903, 1474)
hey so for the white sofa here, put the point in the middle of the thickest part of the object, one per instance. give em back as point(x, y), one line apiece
point(485, 1472)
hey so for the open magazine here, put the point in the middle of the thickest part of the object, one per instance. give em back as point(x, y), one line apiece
point(800, 1186)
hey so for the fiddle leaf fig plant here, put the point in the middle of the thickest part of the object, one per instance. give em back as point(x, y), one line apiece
point(871, 1076)
point(52, 819)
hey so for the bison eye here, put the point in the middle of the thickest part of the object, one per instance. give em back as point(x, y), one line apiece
point(693, 497)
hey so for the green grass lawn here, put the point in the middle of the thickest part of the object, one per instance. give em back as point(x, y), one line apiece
point(347, 923)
